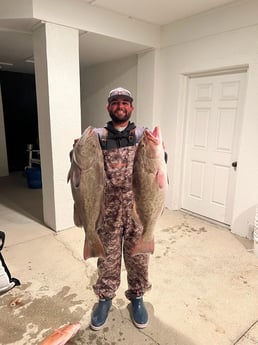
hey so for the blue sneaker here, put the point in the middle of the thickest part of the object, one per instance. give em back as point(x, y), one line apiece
point(139, 312)
point(100, 314)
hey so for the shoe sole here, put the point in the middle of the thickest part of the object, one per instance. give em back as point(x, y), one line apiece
point(7, 288)
point(140, 325)
point(97, 328)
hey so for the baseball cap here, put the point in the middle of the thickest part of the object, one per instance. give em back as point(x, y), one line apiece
point(120, 91)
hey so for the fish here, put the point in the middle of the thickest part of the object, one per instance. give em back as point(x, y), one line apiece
point(87, 179)
point(61, 335)
point(149, 184)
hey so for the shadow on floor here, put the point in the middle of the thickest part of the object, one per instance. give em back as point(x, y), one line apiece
point(17, 196)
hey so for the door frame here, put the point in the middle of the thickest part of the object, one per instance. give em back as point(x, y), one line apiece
point(184, 82)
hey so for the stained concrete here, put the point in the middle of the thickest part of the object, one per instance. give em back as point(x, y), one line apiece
point(205, 281)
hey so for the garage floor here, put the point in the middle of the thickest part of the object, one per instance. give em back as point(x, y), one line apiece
point(205, 281)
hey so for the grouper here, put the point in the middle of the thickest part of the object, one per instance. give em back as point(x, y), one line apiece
point(87, 178)
point(149, 187)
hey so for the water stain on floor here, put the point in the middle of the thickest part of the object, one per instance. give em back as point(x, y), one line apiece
point(22, 315)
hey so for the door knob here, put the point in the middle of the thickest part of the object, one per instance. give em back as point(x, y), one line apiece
point(234, 164)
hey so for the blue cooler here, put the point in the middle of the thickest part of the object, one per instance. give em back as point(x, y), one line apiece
point(33, 176)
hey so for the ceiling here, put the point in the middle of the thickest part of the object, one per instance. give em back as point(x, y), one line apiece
point(16, 47)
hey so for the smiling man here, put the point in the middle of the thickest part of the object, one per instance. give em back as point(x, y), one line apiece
point(120, 232)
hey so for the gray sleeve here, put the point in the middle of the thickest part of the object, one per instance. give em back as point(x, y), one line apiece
point(99, 131)
point(139, 133)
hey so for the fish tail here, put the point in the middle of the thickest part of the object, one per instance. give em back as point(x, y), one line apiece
point(93, 250)
point(143, 247)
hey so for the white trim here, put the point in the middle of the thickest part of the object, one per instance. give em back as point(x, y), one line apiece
point(218, 71)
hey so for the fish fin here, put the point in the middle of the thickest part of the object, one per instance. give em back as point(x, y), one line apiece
point(93, 250)
point(161, 179)
point(135, 215)
point(75, 176)
point(68, 176)
point(143, 247)
point(76, 217)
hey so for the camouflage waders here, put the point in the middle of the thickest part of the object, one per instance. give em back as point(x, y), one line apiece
point(120, 232)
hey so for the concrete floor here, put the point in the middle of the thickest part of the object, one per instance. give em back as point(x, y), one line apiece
point(205, 281)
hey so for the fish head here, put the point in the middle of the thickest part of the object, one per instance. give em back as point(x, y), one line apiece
point(85, 149)
point(155, 135)
point(150, 157)
point(152, 143)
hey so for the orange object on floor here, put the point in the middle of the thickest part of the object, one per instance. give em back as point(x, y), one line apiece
point(61, 335)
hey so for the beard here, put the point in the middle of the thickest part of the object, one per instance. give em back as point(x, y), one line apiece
point(119, 120)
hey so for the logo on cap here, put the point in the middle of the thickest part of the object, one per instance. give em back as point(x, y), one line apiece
point(120, 92)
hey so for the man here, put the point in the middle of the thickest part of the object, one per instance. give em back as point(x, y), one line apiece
point(120, 232)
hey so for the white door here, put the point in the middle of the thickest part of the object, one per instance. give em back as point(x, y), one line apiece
point(211, 145)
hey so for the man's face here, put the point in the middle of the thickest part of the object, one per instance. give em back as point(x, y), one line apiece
point(120, 109)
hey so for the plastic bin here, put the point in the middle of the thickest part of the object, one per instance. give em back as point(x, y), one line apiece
point(33, 176)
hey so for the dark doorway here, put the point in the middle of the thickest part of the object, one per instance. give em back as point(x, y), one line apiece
point(20, 116)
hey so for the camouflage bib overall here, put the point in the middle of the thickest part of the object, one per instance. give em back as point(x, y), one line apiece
point(120, 232)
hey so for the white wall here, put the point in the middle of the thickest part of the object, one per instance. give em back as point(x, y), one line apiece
point(148, 87)
point(97, 81)
point(218, 39)
point(139, 74)
point(16, 9)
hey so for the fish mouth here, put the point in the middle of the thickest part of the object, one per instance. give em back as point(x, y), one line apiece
point(86, 135)
point(154, 136)
point(89, 131)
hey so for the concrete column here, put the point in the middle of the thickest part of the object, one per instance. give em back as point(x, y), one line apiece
point(56, 54)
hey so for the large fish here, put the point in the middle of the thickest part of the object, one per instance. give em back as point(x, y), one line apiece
point(149, 187)
point(87, 178)
point(61, 335)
